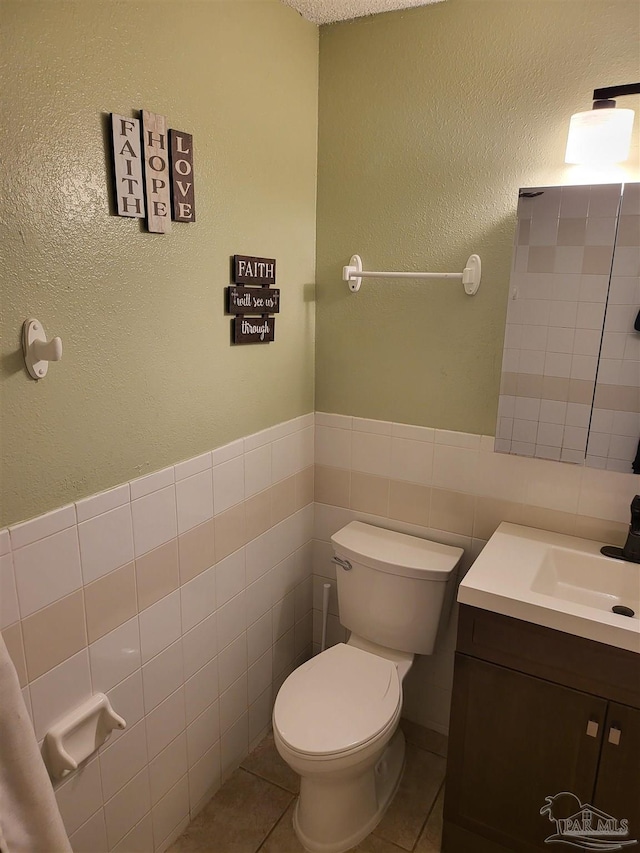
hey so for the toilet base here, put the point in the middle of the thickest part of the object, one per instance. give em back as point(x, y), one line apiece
point(352, 808)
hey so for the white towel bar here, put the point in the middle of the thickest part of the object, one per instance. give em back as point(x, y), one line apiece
point(470, 276)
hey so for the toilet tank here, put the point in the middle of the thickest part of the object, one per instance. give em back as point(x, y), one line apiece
point(394, 592)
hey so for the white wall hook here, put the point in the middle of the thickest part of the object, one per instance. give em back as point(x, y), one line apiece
point(38, 352)
point(79, 734)
point(470, 276)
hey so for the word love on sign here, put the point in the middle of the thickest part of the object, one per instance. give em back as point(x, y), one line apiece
point(153, 171)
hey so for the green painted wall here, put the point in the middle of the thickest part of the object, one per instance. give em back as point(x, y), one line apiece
point(148, 376)
point(430, 120)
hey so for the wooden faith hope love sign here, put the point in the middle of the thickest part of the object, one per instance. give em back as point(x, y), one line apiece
point(153, 169)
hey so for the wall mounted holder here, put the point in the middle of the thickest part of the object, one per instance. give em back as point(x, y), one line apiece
point(76, 736)
point(37, 351)
point(470, 276)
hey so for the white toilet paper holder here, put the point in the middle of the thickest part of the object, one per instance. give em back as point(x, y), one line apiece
point(79, 734)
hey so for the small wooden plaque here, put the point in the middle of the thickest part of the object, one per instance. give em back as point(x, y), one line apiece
point(253, 300)
point(250, 270)
point(253, 330)
point(156, 172)
point(127, 165)
point(183, 203)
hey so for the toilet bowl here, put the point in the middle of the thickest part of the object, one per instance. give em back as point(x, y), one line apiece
point(335, 719)
point(335, 722)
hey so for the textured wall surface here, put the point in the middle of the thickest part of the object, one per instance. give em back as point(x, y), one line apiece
point(430, 121)
point(148, 375)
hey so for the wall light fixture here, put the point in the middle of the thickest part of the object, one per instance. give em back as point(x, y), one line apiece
point(603, 134)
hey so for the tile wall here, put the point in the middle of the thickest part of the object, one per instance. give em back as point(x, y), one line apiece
point(615, 421)
point(450, 487)
point(186, 596)
point(565, 381)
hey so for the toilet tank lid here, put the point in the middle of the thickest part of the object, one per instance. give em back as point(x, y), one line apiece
point(396, 553)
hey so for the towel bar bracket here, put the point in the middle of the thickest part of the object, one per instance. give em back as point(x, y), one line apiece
point(351, 273)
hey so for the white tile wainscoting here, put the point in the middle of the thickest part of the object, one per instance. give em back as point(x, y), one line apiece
point(188, 595)
point(450, 487)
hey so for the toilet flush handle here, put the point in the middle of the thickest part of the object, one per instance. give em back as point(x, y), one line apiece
point(346, 565)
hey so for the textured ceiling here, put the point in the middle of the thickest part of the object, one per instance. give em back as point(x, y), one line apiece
point(327, 11)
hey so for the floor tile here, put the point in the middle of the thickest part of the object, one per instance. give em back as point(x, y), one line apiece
point(283, 839)
point(254, 809)
point(431, 838)
point(424, 738)
point(373, 844)
point(237, 819)
point(423, 776)
point(265, 761)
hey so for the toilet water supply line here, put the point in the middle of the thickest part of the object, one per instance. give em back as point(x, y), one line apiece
point(326, 590)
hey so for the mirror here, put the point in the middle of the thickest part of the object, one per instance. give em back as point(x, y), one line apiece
point(570, 388)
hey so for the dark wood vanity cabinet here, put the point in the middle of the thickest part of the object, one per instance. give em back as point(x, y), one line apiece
point(537, 713)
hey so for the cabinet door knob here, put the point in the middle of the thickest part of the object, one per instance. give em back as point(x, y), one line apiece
point(592, 728)
point(614, 735)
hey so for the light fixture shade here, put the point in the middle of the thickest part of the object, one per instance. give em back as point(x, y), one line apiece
point(599, 137)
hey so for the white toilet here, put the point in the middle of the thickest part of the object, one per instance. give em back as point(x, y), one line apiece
point(335, 719)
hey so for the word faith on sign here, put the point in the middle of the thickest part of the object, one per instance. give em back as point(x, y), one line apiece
point(250, 270)
point(127, 161)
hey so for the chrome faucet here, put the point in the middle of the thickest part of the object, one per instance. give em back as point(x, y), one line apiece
point(631, 549)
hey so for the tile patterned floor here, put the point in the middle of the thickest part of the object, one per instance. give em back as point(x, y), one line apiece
point(253, 810)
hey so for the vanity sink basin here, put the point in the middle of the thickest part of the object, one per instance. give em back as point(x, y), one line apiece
point(558, 581)
point(594, 581)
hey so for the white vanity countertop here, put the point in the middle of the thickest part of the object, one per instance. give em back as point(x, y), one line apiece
point(557, 581)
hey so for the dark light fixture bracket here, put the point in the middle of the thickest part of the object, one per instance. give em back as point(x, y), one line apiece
point(603, 98)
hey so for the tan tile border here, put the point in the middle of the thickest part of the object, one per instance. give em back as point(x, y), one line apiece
point(196, 550)
point(305, 484)
point(157, 574)
point(12, 636)
point(410, 502)
point(369, 493)
point(477, 516)
point(54, 634)
point(110, 601)
point(332, 485)
point(283, 499)
point(622, 398)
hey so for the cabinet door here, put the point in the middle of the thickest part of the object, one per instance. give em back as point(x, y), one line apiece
point(618, 784)
point(514, 741)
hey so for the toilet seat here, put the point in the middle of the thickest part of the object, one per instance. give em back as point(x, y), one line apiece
point(337, 702)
